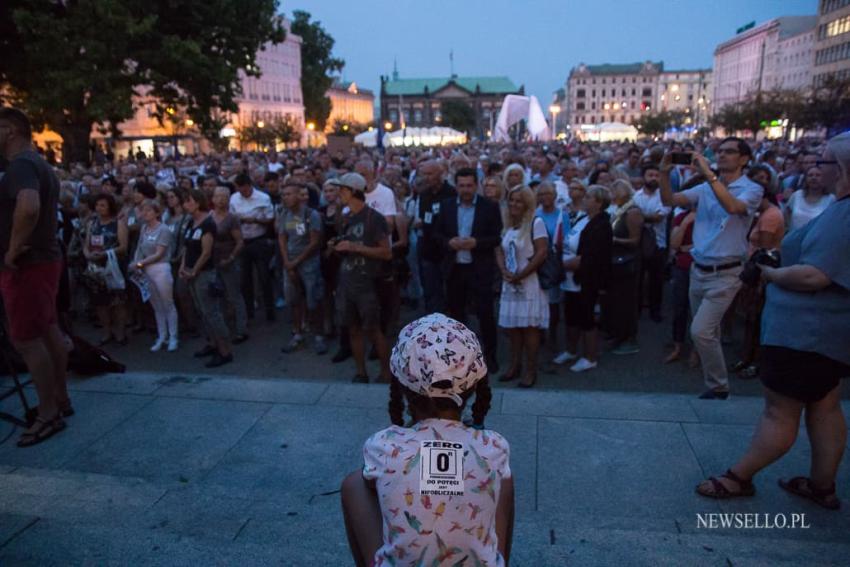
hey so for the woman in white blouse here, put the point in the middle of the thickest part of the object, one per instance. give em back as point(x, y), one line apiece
point(524, 306)
point(807, 203)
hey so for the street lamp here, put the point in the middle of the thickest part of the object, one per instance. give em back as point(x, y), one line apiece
point(190, 122)
point(261, 124)
point(311, 126)
point(554, 110)
point(388, 125)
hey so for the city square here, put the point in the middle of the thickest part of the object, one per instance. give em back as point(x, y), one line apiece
point(281, 287)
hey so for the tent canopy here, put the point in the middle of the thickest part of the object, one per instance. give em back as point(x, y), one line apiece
point(608, 132)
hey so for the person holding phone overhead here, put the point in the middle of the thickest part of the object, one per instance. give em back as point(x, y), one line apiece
point(726, 205)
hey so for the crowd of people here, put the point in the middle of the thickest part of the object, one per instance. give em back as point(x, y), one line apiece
point(533, 238)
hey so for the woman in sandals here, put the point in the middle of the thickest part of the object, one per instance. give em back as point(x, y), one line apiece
point(805, 348)
point(433, 491)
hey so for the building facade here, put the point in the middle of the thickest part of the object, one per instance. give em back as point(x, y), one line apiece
point(350, 103)
point(417, 102)
point(687, 91)
point(832, 41)
point(611, 93)
point(754, 60)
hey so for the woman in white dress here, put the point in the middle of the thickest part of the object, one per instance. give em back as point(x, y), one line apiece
point(524, 306)
point(807, 203)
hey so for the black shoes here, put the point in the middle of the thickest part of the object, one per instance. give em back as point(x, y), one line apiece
point(208, 350)
point(360, 379)
point(341, 356)
point(218, 360)
point(714, 395)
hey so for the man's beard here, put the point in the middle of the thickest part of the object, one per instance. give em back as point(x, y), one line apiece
point(651, 185)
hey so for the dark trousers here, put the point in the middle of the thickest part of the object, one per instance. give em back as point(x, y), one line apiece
point(431, 278)
point(653, 272)
point(681, 303)
point(620, 306)
point(463, 287)
point(257, 253)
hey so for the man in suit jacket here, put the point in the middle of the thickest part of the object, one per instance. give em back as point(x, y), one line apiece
point(468, 229)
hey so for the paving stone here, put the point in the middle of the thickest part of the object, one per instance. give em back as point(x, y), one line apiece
point(640, 407)
point(12, 525)
point(616, 468)
point(96, 415)
point(171, 439)
point(129, 383)
point(240, 389)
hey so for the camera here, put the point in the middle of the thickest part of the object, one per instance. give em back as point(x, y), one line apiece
point(751, 273)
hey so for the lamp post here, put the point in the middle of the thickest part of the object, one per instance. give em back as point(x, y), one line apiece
point(554, 110)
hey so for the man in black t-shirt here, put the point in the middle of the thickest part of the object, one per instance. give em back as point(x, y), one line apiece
point(30, 272)
point(364, 244)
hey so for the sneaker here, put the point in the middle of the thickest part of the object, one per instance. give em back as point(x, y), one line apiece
point(714, 395)
point(582, 365)
point(320, 346)
point(564, 358)
point(160, 342)
point(173, 345)
point(218, 360)
point(295, 343)
point(626, 348)
point(239, 339)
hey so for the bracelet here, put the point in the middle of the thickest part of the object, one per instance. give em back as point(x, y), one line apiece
point(713, 179)
point(140, 265)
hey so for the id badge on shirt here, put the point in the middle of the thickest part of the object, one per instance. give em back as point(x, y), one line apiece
point(428, 218)
point(300, 229)
point(97, 240)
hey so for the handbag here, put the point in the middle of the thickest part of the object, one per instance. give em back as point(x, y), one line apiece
point(551, 272)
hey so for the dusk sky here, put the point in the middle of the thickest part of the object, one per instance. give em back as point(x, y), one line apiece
point(534, 42)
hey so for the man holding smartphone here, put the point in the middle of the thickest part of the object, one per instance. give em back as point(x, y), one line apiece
point(727, 203)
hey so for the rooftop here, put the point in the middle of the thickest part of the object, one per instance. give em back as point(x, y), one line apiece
point(489, 85)
point(789, 26)
point(619, 68)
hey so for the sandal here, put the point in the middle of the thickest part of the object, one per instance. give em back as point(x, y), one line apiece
point(527, 383)
point(106, 341)
point(749, 373)
point(66, 410)
point(720, 492)
point(802, 486)
point(44, 430)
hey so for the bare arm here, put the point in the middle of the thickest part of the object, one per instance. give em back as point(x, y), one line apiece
point(799, 277)
point(153, 258)
point(667, 196)
point(678, 233)
point(634, 222)
point(24, 219)
point(236, 233)
point(729, 202)
point(123, 239)
point(312, 246)
point(403, 224)
point(505, 517)
point(540, 245)
point(206, 252)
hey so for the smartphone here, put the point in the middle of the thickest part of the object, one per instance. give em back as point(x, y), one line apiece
point(682, 158)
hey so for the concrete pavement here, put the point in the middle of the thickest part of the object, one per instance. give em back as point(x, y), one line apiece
point(168, 469)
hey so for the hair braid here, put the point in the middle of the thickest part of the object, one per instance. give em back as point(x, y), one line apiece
point(481, 406)
point(396, 405)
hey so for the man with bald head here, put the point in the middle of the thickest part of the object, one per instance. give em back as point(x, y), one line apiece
point(434, 189)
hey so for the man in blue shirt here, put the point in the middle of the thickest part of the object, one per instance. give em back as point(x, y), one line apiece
point(727, 203)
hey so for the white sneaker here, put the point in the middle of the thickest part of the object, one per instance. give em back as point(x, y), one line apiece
point(564, 357)
point(172, 344)
point(582, 365)
point(160, 342)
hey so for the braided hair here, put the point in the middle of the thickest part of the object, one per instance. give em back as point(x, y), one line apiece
point(401, 398)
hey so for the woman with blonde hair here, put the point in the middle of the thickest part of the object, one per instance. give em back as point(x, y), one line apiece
point(513, 176)
point(524, 306)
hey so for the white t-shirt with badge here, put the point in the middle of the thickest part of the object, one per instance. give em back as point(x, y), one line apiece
point(382, 199)
point(438, 485)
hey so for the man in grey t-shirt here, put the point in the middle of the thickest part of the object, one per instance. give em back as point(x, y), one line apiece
point(299, 231)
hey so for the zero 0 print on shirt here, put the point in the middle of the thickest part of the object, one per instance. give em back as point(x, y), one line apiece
point(441, 468)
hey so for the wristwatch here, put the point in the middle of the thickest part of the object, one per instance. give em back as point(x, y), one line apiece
point(140, 265)
point(712, 179)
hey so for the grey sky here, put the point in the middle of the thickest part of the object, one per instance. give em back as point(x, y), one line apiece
point(534, 42)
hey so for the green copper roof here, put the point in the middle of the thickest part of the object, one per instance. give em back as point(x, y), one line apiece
point(620, 69)
point(417, 86)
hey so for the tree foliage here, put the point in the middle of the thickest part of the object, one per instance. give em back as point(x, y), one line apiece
point(75, 64)
point(458, 115)
point(658, 123)
point(349, 128)
point(317, 67)
point(284, 130)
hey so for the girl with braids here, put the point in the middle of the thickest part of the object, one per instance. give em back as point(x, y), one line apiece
point(433, 491)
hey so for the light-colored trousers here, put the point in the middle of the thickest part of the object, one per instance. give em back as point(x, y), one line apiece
point(162, 299)
point(711, 294)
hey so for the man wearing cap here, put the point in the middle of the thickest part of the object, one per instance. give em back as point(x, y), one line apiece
point(364, 244)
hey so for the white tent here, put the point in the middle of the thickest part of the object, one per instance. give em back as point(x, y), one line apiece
point(608, 132)
point(413, 136)
point(368, 138)
point(516, 108)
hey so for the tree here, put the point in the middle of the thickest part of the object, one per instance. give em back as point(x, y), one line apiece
point(458, 115)
point(317, 66)
point(341, 127)
point(658, 123)
point(75, 64)
point(285, 130)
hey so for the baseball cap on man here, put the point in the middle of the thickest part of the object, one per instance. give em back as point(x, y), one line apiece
point(438, 357)
point(354, 181)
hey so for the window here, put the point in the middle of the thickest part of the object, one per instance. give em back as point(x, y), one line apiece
point(634, 92)
point(646, 92)
point(593, 119)
point(592, 106)
point(632, 106)
point(393, 115)
point(579, 106)
point(593, 93)
point(580, 93)
point(417, 116)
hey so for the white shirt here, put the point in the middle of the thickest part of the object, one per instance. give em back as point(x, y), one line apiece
point(650, 204)
point(257, 206)
point(571, 251)
point(274, 167)
point(802, 212)
point(382, 199)
point(562, 195)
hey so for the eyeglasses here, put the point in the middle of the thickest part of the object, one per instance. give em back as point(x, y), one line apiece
point(821, 162)
point(730, 151)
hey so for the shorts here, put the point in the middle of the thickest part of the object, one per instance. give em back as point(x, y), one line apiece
point(804, 376)
point(309, 287)
point(358, 308)
point(29, 296)
point(579, 309)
